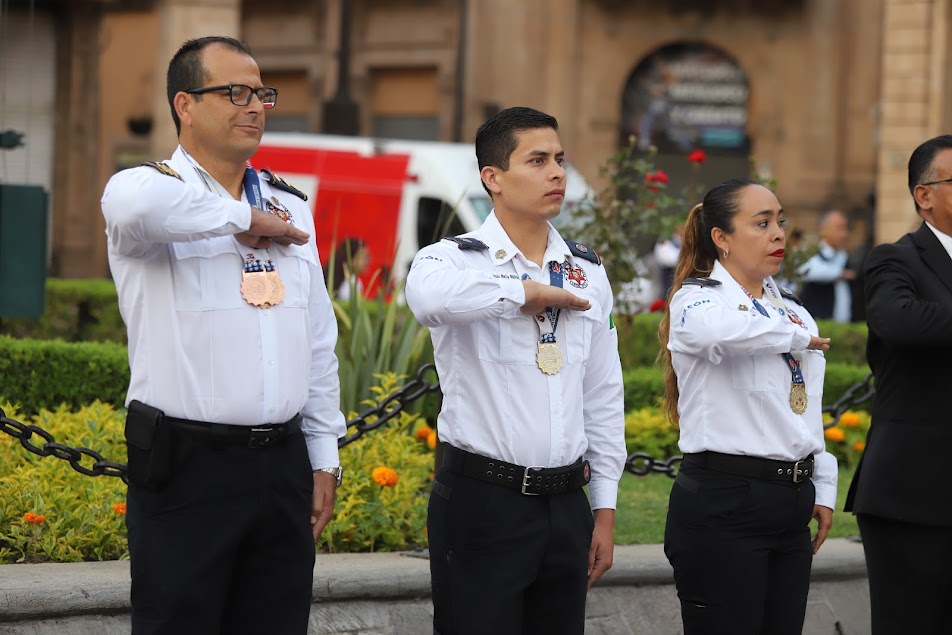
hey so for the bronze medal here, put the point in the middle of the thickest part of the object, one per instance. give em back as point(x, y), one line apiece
point(549, 358)
point(255, 288)
point(798, 398)
point(275, 287)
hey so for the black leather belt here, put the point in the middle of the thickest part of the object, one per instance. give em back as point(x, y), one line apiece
point(254, 437)
point(754, 466)
point(531, 480)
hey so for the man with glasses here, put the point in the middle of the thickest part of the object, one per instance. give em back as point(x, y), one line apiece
point(234, 396)
point(900, 490)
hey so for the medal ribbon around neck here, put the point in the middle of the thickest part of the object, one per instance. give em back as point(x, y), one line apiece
point(798, 392)
point(549, 357)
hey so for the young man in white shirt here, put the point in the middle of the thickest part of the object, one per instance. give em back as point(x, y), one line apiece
point(527, 355)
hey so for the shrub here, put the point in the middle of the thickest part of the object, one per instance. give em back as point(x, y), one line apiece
point(75, 310)
point(647, 430)
point(847, 439)
point(44, 374)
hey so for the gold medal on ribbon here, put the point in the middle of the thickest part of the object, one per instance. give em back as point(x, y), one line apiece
point(255, 288)
point(549, 358)
point(798, 397)
point(275, 287)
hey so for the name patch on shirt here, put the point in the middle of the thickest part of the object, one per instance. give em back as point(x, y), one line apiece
point(684, 313)
point(514, 276)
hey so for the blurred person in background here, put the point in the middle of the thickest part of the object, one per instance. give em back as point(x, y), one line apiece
point(826, 276)
point(350, 259)
point(743, 369)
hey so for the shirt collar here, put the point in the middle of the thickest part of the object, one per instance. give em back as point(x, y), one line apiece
point(502, 249)
point(945, 239)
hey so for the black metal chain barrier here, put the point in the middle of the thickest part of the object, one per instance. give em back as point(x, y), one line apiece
point(854, 395)
point(369, 420)
point(637, 463)
point(391, 406)
point(640, 464)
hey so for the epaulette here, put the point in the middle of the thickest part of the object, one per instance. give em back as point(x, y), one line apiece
point(790, 295)
point(465, 242)
point(281, 184)
point(581, 251)
point(702, 282)
point(164, 169)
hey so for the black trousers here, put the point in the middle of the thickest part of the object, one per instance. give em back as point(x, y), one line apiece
point(504, 563)
point(910, 576)
point(741, 552)
point(226, 546)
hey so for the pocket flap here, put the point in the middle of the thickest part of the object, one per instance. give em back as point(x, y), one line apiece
point(206, 248)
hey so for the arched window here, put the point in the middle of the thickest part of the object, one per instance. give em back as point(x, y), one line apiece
point(689, 96)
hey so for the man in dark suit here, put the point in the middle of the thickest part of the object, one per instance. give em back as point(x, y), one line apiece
point(900, 492)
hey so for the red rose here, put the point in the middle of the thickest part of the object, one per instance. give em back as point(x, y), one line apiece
point(697, 156)
point(657, 305)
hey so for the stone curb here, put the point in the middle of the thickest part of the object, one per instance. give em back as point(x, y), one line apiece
point(102, 588)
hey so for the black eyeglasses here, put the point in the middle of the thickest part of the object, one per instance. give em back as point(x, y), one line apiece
point(240, 94)
point(937, 182)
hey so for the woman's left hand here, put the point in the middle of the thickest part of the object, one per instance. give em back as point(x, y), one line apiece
point(824, 521)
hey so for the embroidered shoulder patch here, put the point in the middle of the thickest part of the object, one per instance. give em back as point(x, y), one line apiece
point(278, 183)
point(790, 295)
point(581, 251)
point(702, 282)
point(465, 242)
point(163, 168)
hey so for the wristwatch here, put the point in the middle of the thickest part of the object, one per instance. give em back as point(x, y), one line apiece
point(338, 472)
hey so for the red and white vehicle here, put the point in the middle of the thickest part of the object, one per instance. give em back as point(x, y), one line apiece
point(395, 196)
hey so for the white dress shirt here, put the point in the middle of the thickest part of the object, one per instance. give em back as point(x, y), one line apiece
point(197, 349)
point(496, 400)
point(734, 384)
point(944, 239)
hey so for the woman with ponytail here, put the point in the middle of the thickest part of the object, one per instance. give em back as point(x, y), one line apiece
point(743, 365)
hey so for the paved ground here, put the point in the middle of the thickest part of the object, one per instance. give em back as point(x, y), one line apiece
point(388, 594)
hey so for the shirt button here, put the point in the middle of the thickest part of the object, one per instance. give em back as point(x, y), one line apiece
point(267, 311)
point(270, 362)
point(271, 409)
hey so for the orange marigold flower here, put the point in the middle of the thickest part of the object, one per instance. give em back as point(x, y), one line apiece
point(423, 433)
point(431, 440)
point(384, 476)
point(34, 519)
point(834, 434)
point(859, 446)
point(119, 508)
point(849, 419)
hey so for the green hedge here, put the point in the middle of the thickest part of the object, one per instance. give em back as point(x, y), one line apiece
point(644, 387)
point(76, 311)
point(43, 374)
point(638, 340)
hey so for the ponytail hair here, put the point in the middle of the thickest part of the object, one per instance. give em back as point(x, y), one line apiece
point(696, 259)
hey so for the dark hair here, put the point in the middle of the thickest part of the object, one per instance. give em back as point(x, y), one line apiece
point(920, 163)
point(186, 70)
point(344, 254)
point(698, 253)
point(496, 138)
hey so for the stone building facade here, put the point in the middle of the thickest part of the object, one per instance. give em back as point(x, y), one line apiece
point(827, 97)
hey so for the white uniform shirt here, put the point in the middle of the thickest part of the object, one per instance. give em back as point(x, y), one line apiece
point(734, 384)
point(496, 400)
point(197, 349)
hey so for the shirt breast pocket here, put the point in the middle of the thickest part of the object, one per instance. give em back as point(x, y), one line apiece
point(749, 372)
point(206, 275)
point(578, 333)
point(292, 266)
point(509, 339)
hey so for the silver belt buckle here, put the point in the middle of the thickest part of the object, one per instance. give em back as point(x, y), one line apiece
point(798, 472)
point(525, 480)
point(262, 437)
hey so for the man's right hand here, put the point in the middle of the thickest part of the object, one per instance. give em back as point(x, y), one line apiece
point(266, 228)
point(539, 296)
